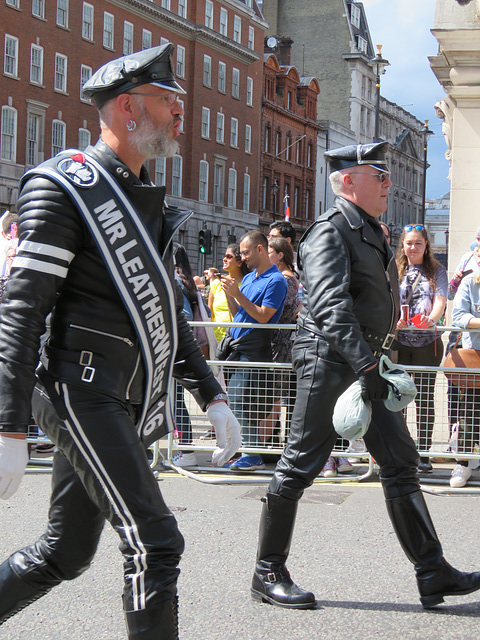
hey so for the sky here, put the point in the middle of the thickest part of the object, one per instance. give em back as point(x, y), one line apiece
point(403, 28)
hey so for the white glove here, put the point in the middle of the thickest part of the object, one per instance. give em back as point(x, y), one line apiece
point(13, 460)
point(227, 431)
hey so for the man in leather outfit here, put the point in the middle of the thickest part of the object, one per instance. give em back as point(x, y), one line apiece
point(350, 309)
point(96, 369)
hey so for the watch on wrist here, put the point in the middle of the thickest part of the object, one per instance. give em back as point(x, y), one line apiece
point(219, 396)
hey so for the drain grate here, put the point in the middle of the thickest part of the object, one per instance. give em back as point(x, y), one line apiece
point(314, 495)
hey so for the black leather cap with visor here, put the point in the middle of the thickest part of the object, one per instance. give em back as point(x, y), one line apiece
point(150, 66)
point(354, 155)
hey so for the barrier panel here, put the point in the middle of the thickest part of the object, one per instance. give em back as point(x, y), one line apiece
point(444, 420)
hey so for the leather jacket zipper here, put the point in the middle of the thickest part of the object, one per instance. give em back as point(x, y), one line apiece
point(392, 317)
point(103, 333)
point(130, 382)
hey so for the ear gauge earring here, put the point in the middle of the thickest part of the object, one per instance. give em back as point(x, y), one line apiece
point(131, 125)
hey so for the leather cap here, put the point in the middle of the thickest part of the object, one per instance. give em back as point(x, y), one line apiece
point(150, 66)
point(353, 155)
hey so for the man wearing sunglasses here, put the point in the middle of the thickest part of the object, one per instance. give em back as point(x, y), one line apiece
point(95, 253)
point(351, 307)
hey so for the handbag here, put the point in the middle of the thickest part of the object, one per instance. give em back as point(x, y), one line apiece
point(460, 358)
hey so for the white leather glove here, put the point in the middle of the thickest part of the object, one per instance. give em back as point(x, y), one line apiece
point(13, 460)
point(227, 431)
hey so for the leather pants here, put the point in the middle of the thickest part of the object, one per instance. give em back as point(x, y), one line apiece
point(100, 472)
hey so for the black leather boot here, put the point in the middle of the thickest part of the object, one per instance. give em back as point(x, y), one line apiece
point(416, 533)
point(15, 594)
point(159, 622)
point(271, 581)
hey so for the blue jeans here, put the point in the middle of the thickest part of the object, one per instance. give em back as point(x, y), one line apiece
point(238, 390)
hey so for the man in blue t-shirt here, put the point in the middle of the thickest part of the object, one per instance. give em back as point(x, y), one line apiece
point(259, 301)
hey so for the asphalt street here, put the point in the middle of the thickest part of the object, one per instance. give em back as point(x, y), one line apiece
point(344, 550)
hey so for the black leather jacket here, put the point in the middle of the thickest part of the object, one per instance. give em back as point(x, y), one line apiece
point(86, 310)
point(350, 283)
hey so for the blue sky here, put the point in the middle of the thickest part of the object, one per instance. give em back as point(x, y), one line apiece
point(403, 28)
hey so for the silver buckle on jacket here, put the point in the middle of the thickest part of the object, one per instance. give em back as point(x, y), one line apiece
point(387, 343)
point(85, 361)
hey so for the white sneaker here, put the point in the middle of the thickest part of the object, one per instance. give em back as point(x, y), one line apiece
point(343, 465)
point(330, 468)
point(357, 446)
point(185, 460)
point(460, 476)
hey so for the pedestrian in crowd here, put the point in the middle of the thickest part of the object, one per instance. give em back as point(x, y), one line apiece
point(423, 288)
point(386, 231)
point(280, 253)
point(466, 315)
point(349, 315)
point(259, 300)
point(95, 252)
point(222, 306)
point(282, 229)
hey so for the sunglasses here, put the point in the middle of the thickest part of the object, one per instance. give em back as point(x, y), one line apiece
point(414, 227)
point(228, 256)
point(381, 176)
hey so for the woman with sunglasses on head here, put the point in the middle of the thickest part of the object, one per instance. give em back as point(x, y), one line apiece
point(217, 298)
point(423, 287)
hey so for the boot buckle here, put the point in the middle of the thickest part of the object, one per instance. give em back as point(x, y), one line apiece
point(271, 577)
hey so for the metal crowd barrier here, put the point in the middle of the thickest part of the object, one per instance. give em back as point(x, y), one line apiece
point(272, 394)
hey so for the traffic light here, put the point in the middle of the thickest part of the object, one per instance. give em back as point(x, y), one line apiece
point(205, 241)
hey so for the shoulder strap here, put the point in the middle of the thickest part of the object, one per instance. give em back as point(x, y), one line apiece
point(414, 286)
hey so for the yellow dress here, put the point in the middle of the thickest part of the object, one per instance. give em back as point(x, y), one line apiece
point(221, 312)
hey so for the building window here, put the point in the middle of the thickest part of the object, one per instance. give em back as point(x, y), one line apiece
point(232, 188)
point(246, 192)
point(127, 38)
point(218, 184)
point(207, 71)
point(249, 4)
point(36, 64)
point(278, 141)
point(87, 21)
point(370, 90)
point(355, 15)
point(108, 25)
point(235, 83)
point(222, 77)
point(85, 74)
point(289, 100)
point(58, 137)
point(13, 3)
point(180, 61)
point(309, 155)
point(362, 44)
point(146, 39)
point(177, 176)
point(266, 146)
point(84, 138)
point(182, 104)
point(160, 164)
point(237, 29)
point(62, 13)
point(33, 139)
point(60, 73)
point(223, 21)
point(288, 148)
point(220, 137)
point(10, 62)
point(166, 4)
point(298, 151)
point(234, 132)
point(251, 38)
point(38, 8)
point(249, 92)
point(9, 134)
point(296, 201)
point(205, 122)
point(203, 181)
point(248, 138)
point(182, 8)
point(209, 14)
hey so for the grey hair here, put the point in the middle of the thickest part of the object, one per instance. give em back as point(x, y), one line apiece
point(336, 182)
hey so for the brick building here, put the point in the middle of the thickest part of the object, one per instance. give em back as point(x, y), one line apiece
point(51, 47)
point(289, 141)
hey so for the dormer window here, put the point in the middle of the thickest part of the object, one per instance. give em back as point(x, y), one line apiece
point(355, 15)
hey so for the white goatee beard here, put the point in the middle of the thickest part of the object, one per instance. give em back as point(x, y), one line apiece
point(152, 140)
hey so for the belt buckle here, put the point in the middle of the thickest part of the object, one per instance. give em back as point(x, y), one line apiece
point(85, 360)
point(387, 343)
point(271, 577)
point(87, 374)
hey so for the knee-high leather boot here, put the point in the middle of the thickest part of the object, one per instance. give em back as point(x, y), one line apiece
point(15, 594)
point(416, 533)
point(159, 622)
point(271, 581)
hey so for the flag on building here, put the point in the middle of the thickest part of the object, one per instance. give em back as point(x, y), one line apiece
point(287, 208)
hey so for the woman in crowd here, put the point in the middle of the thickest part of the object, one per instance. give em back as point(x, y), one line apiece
point(217, 299)
point(466, 315)
point(423, 287)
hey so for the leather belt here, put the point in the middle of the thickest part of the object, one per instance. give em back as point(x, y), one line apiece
point(379, 343)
